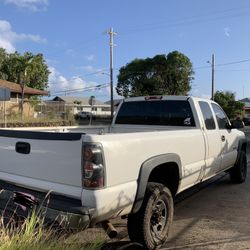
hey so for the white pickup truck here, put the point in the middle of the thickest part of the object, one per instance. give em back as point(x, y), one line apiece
point(156, 147)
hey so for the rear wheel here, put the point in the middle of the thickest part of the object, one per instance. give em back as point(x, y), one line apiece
point(150, 225)
point(238, 172)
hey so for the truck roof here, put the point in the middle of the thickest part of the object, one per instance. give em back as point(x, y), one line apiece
point(164, 97)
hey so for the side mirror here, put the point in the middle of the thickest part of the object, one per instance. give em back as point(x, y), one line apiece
point(237, 124)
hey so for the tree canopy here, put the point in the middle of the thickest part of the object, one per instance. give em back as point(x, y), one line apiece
point(227, 101)
point(170, 74)
point(28, 69)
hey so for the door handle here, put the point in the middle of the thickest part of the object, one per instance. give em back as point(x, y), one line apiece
point(22, 147)
point(223, 138)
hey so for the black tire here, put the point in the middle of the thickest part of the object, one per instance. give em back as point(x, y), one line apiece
point(150, 225)
point(238, 172)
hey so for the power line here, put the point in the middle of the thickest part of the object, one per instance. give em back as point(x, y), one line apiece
point(232, 70)
point(89, 88)
point(192, 20)
point(195, 68)
point(202, 67)
point(230, 63)
point(94, 73)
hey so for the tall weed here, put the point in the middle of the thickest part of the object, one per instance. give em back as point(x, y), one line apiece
point(32, 235)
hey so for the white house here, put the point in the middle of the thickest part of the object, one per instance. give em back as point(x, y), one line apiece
point(78, 104)
point(246, 101)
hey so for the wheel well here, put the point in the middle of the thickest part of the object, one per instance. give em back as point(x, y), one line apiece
point(168, 175)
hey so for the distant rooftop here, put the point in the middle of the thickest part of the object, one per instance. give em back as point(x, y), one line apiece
point(74, 99)
point(16, 88)
point(116, 102)
point(245, 100)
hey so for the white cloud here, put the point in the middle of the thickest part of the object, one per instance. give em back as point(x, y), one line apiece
point(8, 37)
point(58, 82)
point(70, 52)
point(227, 31)
point(51, 61)
point(89, 68)
point(32, 5)
point(33, 38)
point(90, 57)
point(181, 35)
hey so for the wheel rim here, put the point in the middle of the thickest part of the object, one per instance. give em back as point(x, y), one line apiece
point(158, 219)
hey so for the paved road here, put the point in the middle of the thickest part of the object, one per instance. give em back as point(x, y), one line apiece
point(214, 215)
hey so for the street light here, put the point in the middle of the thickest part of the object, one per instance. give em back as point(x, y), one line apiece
point(212, 65)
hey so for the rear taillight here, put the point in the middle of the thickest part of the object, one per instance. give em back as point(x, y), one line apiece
point(93, 166)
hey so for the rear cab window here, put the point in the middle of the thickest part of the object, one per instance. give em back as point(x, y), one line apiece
point(160, 112)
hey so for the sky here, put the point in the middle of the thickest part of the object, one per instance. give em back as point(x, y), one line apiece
point(72, 36)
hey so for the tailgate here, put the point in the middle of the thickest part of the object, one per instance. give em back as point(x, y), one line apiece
point(47, 157)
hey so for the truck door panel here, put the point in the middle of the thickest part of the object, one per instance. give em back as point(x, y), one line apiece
point(212, 140)
point(228, 138)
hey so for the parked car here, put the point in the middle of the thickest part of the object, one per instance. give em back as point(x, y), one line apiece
point(82, 115)
point(155, 148)
point(246, 120)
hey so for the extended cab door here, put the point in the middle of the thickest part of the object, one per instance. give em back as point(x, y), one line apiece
point(212, 141)
point(228, 138)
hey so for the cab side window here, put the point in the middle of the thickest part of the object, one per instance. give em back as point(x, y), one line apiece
point(220, 116)
point(207, 115)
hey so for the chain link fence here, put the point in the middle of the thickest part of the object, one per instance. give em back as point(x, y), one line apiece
point(35, 113)
point(49, 113)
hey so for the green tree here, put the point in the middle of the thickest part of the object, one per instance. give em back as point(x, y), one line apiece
point(37, 71)
point(27, 69)
point(226, 100)
point(3, 56)
point(160, 75)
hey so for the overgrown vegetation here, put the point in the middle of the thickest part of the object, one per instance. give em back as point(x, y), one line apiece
point(49, 119)
point(227, 101)
point(32, 235)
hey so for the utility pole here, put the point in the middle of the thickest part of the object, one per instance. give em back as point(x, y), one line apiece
point(212, 77)
point(111, 45)
point(22, 88)
point(212, 65)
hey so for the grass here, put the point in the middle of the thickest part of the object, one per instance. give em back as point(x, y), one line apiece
point(37, 122)
point(32, 235)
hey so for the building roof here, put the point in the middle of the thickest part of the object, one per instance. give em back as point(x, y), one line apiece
point(75, 99)
point(246, 101)
point(116, 102)
point(16, 88)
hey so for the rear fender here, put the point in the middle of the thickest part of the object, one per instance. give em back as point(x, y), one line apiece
point(147, 167)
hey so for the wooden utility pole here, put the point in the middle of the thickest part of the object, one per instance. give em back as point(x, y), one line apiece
point(212, 95)
point(111, 45)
